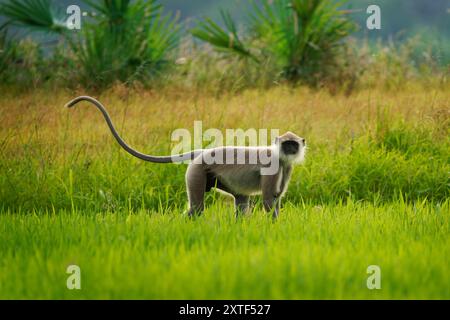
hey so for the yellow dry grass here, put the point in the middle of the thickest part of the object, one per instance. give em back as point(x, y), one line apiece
point(146, 118)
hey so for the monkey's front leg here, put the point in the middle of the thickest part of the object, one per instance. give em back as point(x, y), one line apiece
point(276, 212)
point(272, 204)
point(271, 200)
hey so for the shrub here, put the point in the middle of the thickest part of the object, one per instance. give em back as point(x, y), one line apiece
point(7, 50)
point(125, 41)
point(21, 63)
point(302, 38)
point(396, 160)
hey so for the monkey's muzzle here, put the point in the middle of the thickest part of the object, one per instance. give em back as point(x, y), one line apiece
point(290, 147)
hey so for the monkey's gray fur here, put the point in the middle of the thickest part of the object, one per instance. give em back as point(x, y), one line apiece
point(241, 180)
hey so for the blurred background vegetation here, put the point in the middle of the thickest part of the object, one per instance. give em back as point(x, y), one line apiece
point(224, 45)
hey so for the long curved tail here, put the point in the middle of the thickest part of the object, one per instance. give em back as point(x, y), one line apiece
point(157, 159)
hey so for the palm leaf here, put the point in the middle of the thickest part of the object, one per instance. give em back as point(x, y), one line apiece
point(225, 40)
point(37, 15)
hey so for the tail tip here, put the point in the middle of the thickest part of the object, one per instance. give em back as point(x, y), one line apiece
point(71, 103)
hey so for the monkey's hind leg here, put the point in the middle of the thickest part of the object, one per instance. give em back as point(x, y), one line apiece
point(196, 187)
point(241, 204)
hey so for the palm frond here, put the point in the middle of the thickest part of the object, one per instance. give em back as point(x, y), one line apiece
point(225, 40)
point(39, 15)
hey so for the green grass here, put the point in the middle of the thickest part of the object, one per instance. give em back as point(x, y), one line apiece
point(311, 252)
point(374, 190)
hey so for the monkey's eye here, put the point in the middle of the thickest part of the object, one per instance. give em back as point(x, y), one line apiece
point(290, 147)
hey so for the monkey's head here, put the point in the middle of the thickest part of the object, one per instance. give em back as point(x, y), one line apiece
point(291, 147)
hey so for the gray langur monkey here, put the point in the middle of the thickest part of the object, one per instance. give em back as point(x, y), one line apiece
point(239, 171)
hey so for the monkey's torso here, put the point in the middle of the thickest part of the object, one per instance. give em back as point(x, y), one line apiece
point(242, 179)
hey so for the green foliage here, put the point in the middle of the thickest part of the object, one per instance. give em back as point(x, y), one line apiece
point(302, 37)
point(394, 160)
point(21, 63)
point(224, 40)
point(7, 50)
point(132, 43)
point(125, 41)
point(38, 15)
point(128, 41)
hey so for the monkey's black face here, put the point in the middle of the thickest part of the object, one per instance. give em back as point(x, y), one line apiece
point(290, 147)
